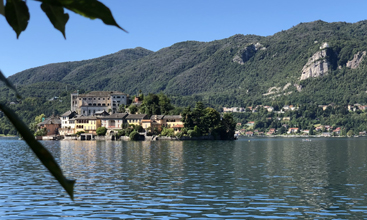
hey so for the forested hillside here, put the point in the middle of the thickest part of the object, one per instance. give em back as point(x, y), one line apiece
point(241, 70)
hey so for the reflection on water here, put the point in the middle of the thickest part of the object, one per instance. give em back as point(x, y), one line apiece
point(268, 178)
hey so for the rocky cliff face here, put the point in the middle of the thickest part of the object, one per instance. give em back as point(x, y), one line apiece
point(316, 66)
point(246, 53)
point(357, 59)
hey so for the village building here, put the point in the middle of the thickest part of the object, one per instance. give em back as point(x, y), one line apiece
point(327, 127)
point(51, 124)
point(113, 121)
point(269, 108)
point(136, 119)
point(174, 121)
point(87, 124)
point(234, 109)
point(271, 131)
point(101, 113)
point(319, 128)
point(324, 107)
point(68, 119)
point(337, 130)
point(157, 122)
point(250, 123)
point(90, 103)
point(292, 130)
point(68, 123)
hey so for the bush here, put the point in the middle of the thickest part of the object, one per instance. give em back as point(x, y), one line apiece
point(79, 132)
point(41, 132)
point(134, 136)
point(139, 128)
point(169, 132)
point(121, 133)
point(197, 131)
point(191, 133)
point(180, 134)
point(128, 131)
point(101, 131)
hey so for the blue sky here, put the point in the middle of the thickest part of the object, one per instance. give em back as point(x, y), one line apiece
point(158, 24)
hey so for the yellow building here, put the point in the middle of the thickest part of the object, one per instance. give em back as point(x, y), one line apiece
point(160, 121)
point(88, 124)
point(136, 119)
point(173, 120)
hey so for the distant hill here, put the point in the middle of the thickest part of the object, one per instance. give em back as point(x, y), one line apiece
point(237, 71)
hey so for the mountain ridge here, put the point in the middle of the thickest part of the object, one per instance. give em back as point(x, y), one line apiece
point(236, 70)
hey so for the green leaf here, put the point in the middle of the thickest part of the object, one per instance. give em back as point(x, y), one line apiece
point(41, 152)
point(17, 15)
point(56, 15)
point(88, 8)
point(9, 84)
point(2, 11)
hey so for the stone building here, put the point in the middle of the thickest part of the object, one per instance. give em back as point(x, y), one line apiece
point(51, 124)
point(90, 103)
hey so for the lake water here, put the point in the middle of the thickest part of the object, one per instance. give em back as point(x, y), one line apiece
point(265, 178)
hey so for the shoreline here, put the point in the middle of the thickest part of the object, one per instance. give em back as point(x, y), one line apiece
point(302, 136)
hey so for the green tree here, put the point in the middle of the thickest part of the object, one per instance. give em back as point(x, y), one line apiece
point(187, 118)
point(169, 132)
point(134, 136)
point(282, 130)
point(41, 132)
point(312, 130)
point(350, 133)
point(121, 109)
point(164, 103)
point(210, 120)
point(101, 131)
point(228, 126)
point(133, 109)
point(38, 119)
point(151, 105)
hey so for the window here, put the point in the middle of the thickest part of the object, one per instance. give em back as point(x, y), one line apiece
point(84, 98)
point(80, 98)
point(90, 104)
point(99, 98)
point(118, 97)
point(103, 104)
point(94, 104)
point(103, 98)
point(99, 104)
